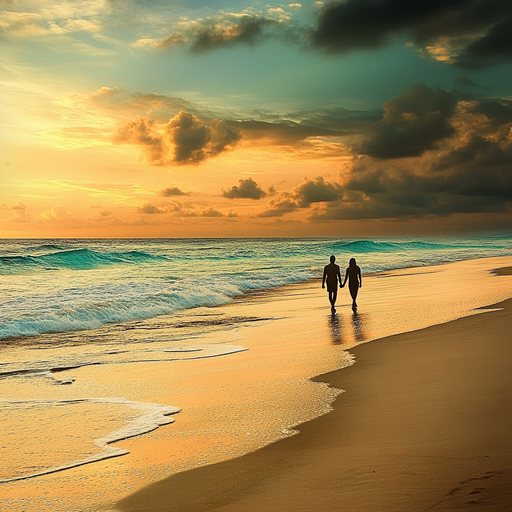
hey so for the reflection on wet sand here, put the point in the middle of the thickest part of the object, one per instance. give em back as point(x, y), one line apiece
point(347, 332)
point(357, 325)
point(335, 329)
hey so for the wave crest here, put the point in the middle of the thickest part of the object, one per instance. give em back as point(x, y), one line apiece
point(77, 259)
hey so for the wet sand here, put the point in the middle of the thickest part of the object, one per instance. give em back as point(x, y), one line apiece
point(424, 423)
point(234, 405)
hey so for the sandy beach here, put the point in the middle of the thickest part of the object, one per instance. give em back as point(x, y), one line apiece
point(346, 412)
point(424, 423)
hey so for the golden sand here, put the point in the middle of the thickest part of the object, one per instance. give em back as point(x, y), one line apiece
point(424, 423)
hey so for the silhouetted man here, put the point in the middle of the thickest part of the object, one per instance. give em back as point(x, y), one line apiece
point(332, 276)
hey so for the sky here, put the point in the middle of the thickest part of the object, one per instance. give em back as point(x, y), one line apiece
point(196, 118)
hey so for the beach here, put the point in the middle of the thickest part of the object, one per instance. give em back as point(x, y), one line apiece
point(423, 424)
point(347, 411)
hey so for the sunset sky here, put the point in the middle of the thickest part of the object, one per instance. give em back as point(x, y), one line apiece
point(172, 118)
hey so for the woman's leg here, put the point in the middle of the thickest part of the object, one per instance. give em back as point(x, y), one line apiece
point(353, 294)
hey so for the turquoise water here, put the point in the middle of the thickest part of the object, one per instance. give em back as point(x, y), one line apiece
point(50, 286)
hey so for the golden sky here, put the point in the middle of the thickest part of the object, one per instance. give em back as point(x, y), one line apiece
point(206, 119)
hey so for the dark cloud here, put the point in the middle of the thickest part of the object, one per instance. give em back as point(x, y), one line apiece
point(475, 176)
point(478, 31)
point(498, 111)
point(412, 123)
point(295, 127)
point(302, 196)
point(143, 132)
point(195, 141)
point(279, 207)
point(493, 48)
point(185, 140)
point(248, 189)
point(222, 31)
point(470, 171)
point(247, 30)
point(316, 191)
point(172, 191)
point(281, 132)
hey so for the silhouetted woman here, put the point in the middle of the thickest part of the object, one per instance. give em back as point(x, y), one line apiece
point(353, 274)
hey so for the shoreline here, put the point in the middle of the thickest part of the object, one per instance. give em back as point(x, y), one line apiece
point(238, 404)
point(423, 423)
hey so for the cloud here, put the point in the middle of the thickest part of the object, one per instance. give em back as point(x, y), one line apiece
point(172, 191)
point(467, 33)
point(441, 158)
point(143, 132)
point(497, 111)
point(492, 48)
point(185, 139)
point(121, 101)
point(303, 128)
point(211, 212)
point(303, 196)
point(316, 191)
point(248, 189)
point(161, 208)
point(58, 215)
point(412, 123)
point(19, 212)
point(279, 207)
point(471, 173)
point(195, 141)
point(150, 209)
point(222, 31)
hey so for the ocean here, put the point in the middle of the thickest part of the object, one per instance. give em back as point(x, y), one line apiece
point(101, 304)
point(52, 286)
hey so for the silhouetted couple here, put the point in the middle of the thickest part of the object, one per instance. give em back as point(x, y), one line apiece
point(332, 275)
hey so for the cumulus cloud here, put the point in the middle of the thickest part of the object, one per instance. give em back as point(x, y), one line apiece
point(303, 196)
point(248, 189)
point(185, 139)
point(195, 141)
point(471, 173)
point(412, 123)
point(172, 191)
point(468, 33)
point(433, 153)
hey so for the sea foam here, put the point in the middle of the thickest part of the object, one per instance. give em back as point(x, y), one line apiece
point(150, 417)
